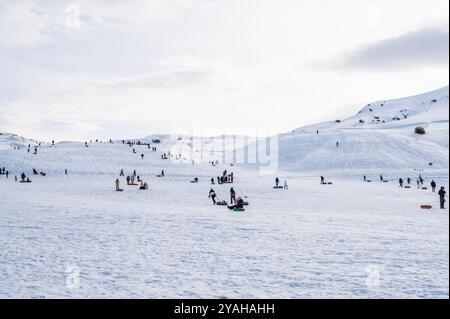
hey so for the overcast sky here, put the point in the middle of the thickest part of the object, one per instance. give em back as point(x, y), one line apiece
point(112, 69)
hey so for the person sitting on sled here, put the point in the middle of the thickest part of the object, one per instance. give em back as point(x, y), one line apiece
point(239, 204)
point(144, 186)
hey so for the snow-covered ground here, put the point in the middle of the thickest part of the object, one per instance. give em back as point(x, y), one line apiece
point(350, 239)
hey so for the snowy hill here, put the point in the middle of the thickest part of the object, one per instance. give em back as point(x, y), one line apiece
point(379, 138)
point(306, 241)
point(10, 141)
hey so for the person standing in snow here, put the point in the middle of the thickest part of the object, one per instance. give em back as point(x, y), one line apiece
point(433, 186)
point(232, 196)
point(400, 181)
point(381, 178)
point(365, 178)
point(337, 144)
point(322, 180)
point(442, 194)
point(408, 180)
point(418, 184)
point(121, 172)
point(277, 181)
point(285, 187)
point(212, 195)
point(117, 185)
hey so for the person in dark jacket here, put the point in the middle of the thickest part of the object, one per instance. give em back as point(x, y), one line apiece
point(232, 195)
point(212, 195)
point(400, 181)
point(239, 204)
point(433, 186)
point(442, 194)
point(277, 181)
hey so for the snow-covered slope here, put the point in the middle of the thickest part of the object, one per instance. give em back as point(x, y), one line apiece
point(10, 141)
point(380, 137)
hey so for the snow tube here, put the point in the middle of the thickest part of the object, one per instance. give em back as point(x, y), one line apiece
point(426, 206)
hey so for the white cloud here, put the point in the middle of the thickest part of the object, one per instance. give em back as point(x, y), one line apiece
point(21, 25)
point(139, 67)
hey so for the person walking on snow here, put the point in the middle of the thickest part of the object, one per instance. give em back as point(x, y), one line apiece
point(212, 195)
point(433, 186)
point(442, 194)
point(285, 185)
point(117, 185)
point(400, 181)
point(277, 181)
point(232, 195)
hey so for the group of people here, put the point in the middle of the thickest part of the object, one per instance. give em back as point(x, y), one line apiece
point(420, 185)
point(226, 178)
point(235, 202)
point(4, 171)
point(277, 184)
point(132, 180)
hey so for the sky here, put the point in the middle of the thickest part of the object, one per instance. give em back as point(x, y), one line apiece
point(87, 69)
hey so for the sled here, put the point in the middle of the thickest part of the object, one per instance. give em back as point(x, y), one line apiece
point(238, 209)
point(119, 190)
point(407, 187)
point(43, 174)
point(222, 203)
point(278, 187)
point(424, 188)
point(246, 203)
point(369, 181)
point(133, 184)
point(330, 183)
point(25, 182)
point(426, 206)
